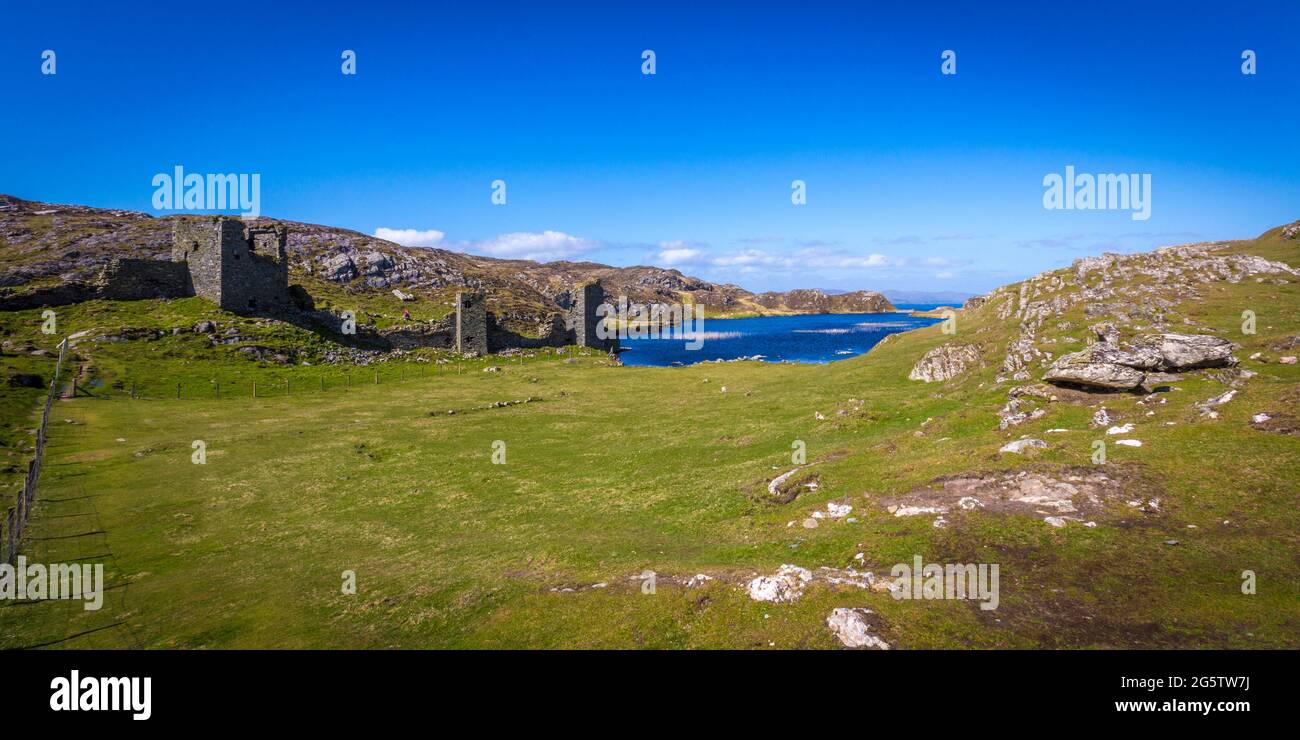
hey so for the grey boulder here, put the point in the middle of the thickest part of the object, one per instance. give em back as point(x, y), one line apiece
point(1106, 375)
point(1185, 351)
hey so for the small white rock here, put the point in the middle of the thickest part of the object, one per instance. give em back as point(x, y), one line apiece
point(850, 626)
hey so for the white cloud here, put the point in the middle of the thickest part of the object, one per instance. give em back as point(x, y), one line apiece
point(410, 237)
point(678, 253)
point(544, 247)
point(798, 260)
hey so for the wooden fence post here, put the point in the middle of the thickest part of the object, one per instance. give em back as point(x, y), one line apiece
point(254, 389)
point(11, 548)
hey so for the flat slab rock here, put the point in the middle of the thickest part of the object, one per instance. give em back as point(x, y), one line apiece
point(1125, 367)
point(1019, 446)
point(1071, 494)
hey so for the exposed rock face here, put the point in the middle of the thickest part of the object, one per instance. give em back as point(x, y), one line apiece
point(1073, 369)
point(74, 243)
point(1109, 366)
point(861, 301)
point(1137, 292)
point(1079, 494)
point(945, 362)
point(1292, 231)
point(1179, 352)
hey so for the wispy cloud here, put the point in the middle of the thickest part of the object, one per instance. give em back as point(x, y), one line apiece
point(1098, 241)
point(542, 247)
point(545, 246)
point(411, 237)
point(753, 260)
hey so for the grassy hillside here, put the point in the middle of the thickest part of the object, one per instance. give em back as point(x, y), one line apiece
point(614, 471)
point(44, 244)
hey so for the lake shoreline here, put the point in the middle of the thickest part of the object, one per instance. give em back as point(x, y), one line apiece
point(788, 339)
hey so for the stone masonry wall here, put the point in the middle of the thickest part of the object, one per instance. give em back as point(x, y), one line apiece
point(471, 323)
point(239, 269)
point(136, 279)
point(584, 320)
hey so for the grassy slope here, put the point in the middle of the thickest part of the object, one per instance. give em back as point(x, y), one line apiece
point(619, 470)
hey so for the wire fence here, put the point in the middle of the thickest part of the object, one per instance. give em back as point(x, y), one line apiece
point(16, 517)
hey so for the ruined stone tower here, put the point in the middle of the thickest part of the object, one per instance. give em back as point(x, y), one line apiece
point(240, 268)
point(471, 323)
point(587, 298)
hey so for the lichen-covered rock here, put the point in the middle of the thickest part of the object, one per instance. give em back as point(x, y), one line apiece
point(1179, 352)
point(1106, 365)
point(1106, 375)
point(945, 362)
point(850, 626)
point(1020, 445)
point(786, 585)
point(1106, 332)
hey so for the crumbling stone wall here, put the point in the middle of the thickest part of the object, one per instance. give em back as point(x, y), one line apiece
point(439, 334)
point(584, 321)
point(136, 279)
point(241, 269)
point(552, 333)
point(471, 323)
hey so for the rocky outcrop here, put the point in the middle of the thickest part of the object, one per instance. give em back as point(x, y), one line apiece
point(1104, 375)
point(945, 362)
point(41, 243)
point(816, 301)
point(786, 585)
point(1180, 352)
point(1109, 366)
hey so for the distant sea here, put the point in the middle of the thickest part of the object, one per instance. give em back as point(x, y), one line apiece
point(811, 338)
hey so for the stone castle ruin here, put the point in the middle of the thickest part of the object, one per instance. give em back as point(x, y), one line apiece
point(240, 268)
point(244, 268)
point(474, 330)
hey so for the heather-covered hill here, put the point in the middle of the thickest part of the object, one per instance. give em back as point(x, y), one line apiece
point(43, 244)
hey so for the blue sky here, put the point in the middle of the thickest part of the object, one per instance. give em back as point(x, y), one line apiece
point(915, 180)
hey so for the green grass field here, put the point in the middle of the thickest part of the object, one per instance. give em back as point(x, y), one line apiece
point(612, 471)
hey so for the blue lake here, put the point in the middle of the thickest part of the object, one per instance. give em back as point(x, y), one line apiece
point(814, 338)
